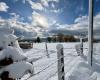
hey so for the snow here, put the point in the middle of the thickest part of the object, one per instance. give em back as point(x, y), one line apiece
point(6, 37)
point(44, 68)
point(76, 67)
point(10, 49)
point(78, 49)
point(12, 52)
point(19, 69)
point(81, 72)
point(59, 46)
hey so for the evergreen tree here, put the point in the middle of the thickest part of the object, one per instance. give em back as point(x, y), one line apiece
point(49, 39)
point(38, 40)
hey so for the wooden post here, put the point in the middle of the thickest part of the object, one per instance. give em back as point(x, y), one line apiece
point(47, 50)
point(90, 33)
point(81, 47)
point(60, 54)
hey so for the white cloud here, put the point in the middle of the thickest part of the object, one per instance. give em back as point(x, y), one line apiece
point(53, 5)
point(81, 19)
point(82, 22)
point(3, 7)
point(35, 5)
point(56, 10)
point(29, 18)
point(15, 16)
point(40, 23)
point(21, 29)
point(53, 0)
point(39, 20)
point(80, 26)
point(23, 1)
point(45, 3)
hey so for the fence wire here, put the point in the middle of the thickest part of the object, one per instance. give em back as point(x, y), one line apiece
point(51, 63)
point(47, 67)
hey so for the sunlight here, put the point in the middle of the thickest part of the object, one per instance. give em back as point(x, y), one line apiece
point(39, 20)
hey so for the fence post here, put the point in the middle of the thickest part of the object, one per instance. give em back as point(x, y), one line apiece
point(47, 50)
point(60, 55)
point(81, 47)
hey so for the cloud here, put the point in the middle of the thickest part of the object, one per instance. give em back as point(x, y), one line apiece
point(39, 20)
point(56, 11)
point(44, 5)
point(81, 19)
point(79, 27)
point(62, 28)
point(35, 5)
point(23, 1)
point(53, 0)
point(52, 6)
point(46, 2)
point(20, 28)
point(3, 7)
point(82, 22)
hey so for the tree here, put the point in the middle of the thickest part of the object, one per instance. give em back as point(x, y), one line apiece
point(60, 37)
point(54, 39)
point(38, 40)
point(49, 39)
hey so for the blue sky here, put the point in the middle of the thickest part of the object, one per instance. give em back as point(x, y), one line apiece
point(46, 16)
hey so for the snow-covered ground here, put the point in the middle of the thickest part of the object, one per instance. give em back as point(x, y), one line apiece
point(76, 67)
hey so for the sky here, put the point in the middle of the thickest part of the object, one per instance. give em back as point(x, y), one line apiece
point(31, 18)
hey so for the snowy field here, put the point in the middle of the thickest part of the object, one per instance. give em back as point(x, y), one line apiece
point(76, 67)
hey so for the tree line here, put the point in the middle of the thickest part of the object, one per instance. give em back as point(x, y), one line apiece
point(57, 38)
